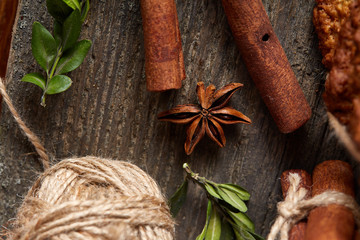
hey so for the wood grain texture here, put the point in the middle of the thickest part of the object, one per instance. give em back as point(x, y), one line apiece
point(107, 112)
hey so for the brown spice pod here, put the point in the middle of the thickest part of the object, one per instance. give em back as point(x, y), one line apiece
point(267, 63)
point(164, 62)
point(297, 232)
point(332, 221)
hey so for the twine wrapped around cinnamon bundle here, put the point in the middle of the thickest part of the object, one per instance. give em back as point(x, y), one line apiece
point(90, 198)
point(297, 232)
point(332, 203)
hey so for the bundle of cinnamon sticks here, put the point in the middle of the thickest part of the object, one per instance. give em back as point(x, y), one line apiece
point(330, 222)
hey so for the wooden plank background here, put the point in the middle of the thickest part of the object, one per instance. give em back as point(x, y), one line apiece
point(108, 112)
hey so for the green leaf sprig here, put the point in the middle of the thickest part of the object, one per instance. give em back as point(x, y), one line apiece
point(60, 52)
point(225, 218)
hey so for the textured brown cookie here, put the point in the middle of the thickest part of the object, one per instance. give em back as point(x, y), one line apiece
point(342, 87)
point(328, 17)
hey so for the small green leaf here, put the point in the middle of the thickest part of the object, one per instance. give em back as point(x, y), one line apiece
point(241, 192)
point(242, 220)
point(238, 235)
point(211, 190)
point(74, 4)
point(58, 84)
point(242, 234)
point(58, 9)
point(256, 236)
point(71, 30)
point(35, 78)
point(85, 10)
point(201, 236)
point(57, 31)
point(227, 233)
point(73, 57)
point(232, 199)
point(208, 213)
point(178, 199)
point(213, 231)
point(43, 46)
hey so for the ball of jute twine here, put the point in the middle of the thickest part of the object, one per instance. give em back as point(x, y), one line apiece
point(295, 207)
point(89, 198)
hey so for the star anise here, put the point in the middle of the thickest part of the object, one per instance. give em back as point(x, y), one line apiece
point(206, 117)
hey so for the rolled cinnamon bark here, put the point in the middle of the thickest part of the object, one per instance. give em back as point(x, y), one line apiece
point(164, 62)
point(357, 235)
point(7, 18)
point(267, 63)
point(297, 232)
point(333, 221)
point(8, 10)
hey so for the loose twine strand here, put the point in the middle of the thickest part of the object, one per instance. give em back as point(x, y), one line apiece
point(31, 136)
point(295, 208)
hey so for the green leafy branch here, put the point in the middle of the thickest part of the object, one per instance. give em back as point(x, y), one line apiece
point(225, 218)
point(60, 52)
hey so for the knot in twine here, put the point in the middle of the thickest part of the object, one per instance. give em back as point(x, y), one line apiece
point(295, 207)
point(93, 198)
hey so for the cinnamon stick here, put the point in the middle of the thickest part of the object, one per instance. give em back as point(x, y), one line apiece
point(7, 17)
point(267, 63)
point(164, 62)
point(8, 10)
point(333, 221)
point(297, 232)
point(357, 235)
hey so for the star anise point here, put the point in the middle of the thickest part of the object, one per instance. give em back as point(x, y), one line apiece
point(206, 117)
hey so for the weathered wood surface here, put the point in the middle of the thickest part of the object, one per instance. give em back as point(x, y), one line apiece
point(108, 112)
